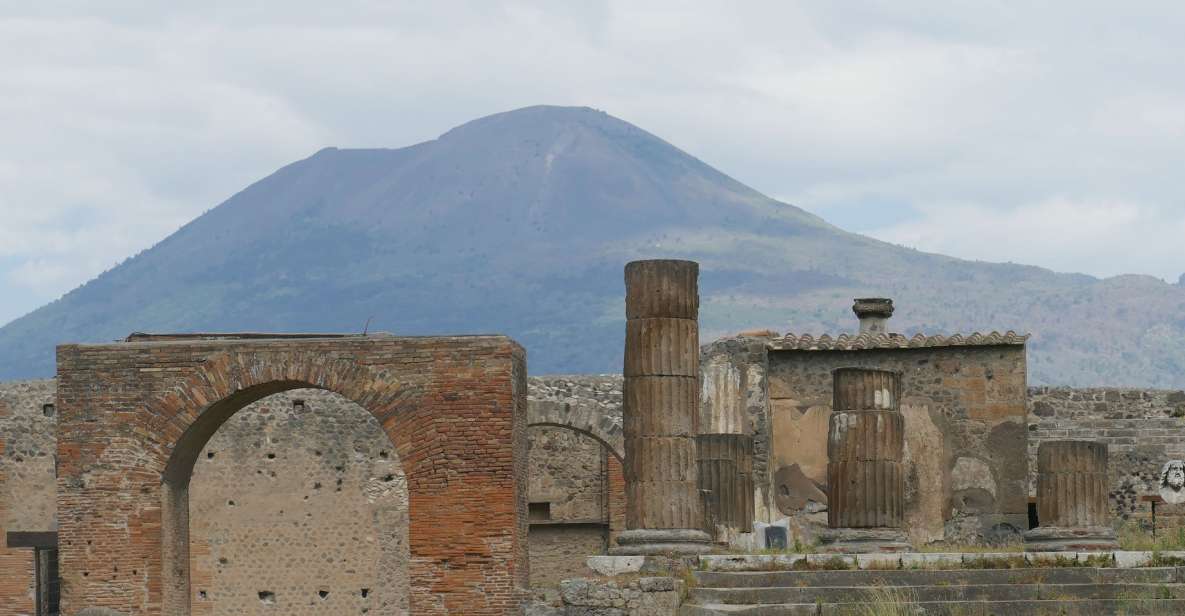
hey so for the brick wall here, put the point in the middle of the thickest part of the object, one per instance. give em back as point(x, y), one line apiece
point(454, 407)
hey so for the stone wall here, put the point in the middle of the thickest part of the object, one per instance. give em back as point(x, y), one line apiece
point(964, 410)
point(558, 551)
point(568, 495)
point(566, 476)
point(628, 595)
point(27, 453)
point(1141, 428)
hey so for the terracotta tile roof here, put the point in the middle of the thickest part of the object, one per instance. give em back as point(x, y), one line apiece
point(848, 342)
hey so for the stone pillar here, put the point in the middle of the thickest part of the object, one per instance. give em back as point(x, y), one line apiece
point(865, 475)
point(1072, 510)
point(664, 510)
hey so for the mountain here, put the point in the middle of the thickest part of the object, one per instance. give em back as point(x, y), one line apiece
point(521, 222)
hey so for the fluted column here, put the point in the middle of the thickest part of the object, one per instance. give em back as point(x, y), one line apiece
point(664, 511)
point(726, 480)
point(1072, 510)
point(865, 449)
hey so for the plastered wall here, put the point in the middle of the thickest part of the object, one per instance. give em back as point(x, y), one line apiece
point(965, 449)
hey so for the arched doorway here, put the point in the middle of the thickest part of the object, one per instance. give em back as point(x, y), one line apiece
point(298, 505)
point(576, 486)
point(135, 416)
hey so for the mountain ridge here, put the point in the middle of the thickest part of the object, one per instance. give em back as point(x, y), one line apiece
point(520, 222)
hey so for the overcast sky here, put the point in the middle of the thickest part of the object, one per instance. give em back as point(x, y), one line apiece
point(1034, 132)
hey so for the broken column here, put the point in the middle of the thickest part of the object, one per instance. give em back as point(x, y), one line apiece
point(1072, 510)
point(865, 447)
point(726, 482)
point(664, 510)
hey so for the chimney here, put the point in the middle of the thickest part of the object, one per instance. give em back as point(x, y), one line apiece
point(874, 313)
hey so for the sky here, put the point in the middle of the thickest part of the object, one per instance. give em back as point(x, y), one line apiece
point(1047, 133)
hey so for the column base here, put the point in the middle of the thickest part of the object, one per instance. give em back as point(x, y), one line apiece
point(863, 540)
point(647, 542)
point(1060, 539)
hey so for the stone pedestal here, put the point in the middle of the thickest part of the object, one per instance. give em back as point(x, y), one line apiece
point(1071, 499)
point(865, 447)
point(664, 510)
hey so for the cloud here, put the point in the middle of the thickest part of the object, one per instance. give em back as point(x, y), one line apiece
point(1103, 239)
point(124, 119)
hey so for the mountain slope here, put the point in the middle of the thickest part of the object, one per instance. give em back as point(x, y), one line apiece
point(520, 223)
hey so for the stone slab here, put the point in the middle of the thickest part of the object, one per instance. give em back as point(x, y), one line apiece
point(1057, 539)
point(615, 565)
point(910, 560)
point(750, 562)
point(825, 559)
point(878, 561)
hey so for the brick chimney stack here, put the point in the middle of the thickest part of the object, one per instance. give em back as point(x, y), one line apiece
point(874, 313)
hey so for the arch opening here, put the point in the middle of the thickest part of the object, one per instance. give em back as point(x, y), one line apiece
point(608, 446)
point(283, 496)
point(576, 494)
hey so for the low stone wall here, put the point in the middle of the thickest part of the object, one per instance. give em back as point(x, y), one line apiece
point(1141, 428)
point(624, 596)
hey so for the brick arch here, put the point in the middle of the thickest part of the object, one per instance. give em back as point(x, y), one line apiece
point(134, 416)
point(585, 419)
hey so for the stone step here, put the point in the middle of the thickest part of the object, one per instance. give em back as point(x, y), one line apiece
point(1053, 607)
point(956, 592)
point(924, 577)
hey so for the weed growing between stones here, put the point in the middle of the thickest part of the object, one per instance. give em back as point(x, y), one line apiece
point(829, 564)
point(1133, 536)
point(1002, 562)
point(941, 548)
point(1159, 559)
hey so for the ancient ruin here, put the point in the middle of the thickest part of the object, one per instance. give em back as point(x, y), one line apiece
point(664, 511)
point(134, 416)
point(219, 474)
point(865, 447)
point(1071, 498)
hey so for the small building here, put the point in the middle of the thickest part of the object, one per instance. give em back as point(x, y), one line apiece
point(963, 398)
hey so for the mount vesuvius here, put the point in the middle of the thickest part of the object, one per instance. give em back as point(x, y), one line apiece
point(520, 223)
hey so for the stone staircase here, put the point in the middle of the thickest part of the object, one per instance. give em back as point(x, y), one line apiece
point(1030, 591)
